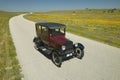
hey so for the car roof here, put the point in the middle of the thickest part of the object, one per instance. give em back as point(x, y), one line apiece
point(51, 25)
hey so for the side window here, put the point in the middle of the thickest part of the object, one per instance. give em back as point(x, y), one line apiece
point(38, 29)
point(44, 30)
point(62, 30)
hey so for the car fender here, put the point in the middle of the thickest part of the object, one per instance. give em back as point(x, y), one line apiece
point(59, 51)
point(81, 46)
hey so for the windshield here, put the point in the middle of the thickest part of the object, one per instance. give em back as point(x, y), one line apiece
point(57, 31)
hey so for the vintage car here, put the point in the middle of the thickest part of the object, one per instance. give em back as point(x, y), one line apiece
point(51, 39)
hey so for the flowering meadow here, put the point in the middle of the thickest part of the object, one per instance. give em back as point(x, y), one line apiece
point(98, 24)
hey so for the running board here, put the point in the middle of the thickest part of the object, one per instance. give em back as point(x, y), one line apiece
point(45, 50)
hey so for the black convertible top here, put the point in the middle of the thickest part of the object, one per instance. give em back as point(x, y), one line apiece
point(51, 25)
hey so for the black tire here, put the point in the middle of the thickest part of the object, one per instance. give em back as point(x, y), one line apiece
point(57, 60)
point(79, 53)
point(37, 43)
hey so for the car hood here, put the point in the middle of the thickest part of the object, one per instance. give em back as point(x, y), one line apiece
point(58, 39)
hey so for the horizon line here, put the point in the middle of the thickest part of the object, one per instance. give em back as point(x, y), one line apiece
point(57, 10)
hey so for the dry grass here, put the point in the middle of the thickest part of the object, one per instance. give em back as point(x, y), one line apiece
point(9, 65)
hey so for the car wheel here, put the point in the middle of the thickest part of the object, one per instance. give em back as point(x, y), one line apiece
point(57, 60)
point(37, 43)
point(79, 53)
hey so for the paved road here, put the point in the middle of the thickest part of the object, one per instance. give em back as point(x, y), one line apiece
point(101, 62)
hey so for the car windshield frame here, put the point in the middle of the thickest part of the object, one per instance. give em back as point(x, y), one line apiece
point(57, 31)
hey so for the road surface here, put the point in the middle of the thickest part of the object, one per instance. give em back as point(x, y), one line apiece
point(101, 61)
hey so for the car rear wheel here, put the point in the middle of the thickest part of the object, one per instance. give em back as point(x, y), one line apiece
point(79, 53)
point(37, 43)
point(57, 60)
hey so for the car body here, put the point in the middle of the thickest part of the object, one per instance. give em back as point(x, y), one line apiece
point(51, 38)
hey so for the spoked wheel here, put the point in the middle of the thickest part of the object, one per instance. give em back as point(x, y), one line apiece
point(57, 60)
point(79, 53)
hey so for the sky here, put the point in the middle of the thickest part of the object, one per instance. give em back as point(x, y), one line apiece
point(49, 5)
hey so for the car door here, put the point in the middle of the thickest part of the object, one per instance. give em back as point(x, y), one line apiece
point(45, 35)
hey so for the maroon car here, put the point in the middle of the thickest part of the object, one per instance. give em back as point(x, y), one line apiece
point(51, 39)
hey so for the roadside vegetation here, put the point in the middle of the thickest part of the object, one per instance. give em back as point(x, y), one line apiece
point(9, 65)
point(98, 24)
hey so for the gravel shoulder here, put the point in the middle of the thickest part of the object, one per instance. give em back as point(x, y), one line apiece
point(101, 61)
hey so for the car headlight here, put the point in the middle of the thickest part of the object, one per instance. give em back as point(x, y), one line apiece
point(76, 44)
point(63, 48)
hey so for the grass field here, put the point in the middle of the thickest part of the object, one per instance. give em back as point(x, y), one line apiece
point(9, 65)
point(98, 24)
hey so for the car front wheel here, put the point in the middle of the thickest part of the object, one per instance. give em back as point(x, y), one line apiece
point(79, 53)
point(57, 60)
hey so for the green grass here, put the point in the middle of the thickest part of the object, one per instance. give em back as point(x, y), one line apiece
point(9, 65)
point(99, 24)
